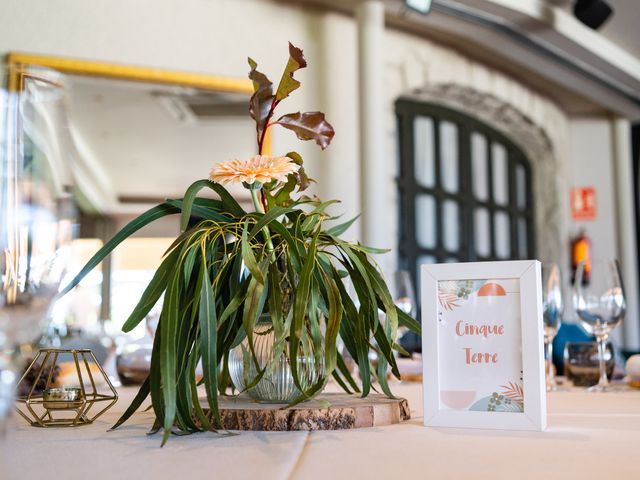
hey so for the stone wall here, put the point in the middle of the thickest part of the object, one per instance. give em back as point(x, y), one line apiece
point(425, 71)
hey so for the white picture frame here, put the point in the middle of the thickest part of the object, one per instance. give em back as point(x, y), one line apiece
point(437, 338)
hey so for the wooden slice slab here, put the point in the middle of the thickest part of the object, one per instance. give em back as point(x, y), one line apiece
point(329, 411)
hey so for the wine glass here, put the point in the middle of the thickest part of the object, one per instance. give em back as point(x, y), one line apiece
point(36, 213)
point(600, 304)
point(404, 297)
point(552, 314)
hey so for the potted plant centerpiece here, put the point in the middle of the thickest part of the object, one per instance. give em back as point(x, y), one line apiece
point(258, 297)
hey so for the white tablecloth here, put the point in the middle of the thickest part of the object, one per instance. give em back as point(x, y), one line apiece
point(589, 436)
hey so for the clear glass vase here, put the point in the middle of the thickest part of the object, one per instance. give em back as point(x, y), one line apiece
point(36, 212)
point(276, 385)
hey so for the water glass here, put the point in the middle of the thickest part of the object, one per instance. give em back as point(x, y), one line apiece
point(600, 303)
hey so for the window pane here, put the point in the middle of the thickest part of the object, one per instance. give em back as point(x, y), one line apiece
point(451, 225)
point(449, 156)
point(521, 186)
point(426, 221)
point(522, 238)
point(423, 146)
point(481, 235)
point(425, 259)
point(500, 174)
point(479, 173)
point(501, 228)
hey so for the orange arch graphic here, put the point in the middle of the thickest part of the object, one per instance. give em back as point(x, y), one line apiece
point(491, 290)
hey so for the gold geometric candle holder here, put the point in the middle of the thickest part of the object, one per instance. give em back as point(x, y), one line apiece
point(67, 402)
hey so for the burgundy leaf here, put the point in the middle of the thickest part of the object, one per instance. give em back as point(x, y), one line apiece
point(309, 126)
point(287, 83)
point(262, 99)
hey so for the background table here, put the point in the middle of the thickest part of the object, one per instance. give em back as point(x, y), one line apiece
point(589, 436)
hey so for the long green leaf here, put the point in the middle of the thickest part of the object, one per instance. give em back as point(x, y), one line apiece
point(267, 218)
point(168, 354)
point(300, 309)
point(146, 218)
point(140, 397)
point(333, 323)
point(249, 258)
point(339, 229)
point(208, 342)
point(152, 293)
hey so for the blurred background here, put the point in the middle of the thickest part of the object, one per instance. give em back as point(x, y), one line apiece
point(466, 129)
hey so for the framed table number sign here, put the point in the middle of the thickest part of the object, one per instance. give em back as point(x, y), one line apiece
point(483, 364)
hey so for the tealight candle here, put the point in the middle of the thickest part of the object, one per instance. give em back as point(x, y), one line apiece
point(65, 398)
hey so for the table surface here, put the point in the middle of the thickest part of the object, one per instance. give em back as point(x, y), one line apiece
point(589, 436)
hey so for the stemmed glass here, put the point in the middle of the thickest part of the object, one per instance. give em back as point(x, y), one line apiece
point(600, 304)
point(552, 314)
point(36, 213)
point(404, 296)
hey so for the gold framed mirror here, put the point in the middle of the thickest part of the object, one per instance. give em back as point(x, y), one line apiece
point(143, 134)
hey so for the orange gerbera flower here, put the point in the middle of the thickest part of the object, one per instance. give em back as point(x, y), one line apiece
point(260, 168)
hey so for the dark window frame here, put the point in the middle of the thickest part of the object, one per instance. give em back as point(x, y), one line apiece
point(408, 188)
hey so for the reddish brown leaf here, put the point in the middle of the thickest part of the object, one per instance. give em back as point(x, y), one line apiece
point(287, 83)
point(261, 100)
point(309, 126)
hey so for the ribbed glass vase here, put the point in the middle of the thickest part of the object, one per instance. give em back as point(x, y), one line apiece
point(277, 385)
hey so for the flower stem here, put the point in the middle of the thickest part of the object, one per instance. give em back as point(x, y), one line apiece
point(265, 230)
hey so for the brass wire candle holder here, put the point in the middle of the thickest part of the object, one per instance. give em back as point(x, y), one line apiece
point(57, 405)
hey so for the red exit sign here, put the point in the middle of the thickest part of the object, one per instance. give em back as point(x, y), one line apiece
point(583, 203)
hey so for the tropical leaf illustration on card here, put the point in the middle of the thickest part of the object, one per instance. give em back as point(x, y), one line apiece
point(514, 392)
point(452, 292)
point(448, 301)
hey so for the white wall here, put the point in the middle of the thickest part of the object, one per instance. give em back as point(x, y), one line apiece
point(592, 166)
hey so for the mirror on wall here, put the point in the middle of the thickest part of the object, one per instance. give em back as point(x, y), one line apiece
point(141, 135)
point(135, 136)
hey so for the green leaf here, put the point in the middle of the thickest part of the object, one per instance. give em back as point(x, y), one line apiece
point(283, 196)
point(187, 201)
point(202, 206)
point(248, 257)
point(287, 83)
point(155, 380)
point(199, 412)
point(409, 322)
point(309, 126)
point(344, 370)
point(140, 397)
point(208, 342)
point(205, 213)
point(253, 305)
point(152, 293)
point(338, 230)
point(168, 354)
point(333, 323)
point(146, 218)
point(301, 178)
point(300, 309)
point(267, 218)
